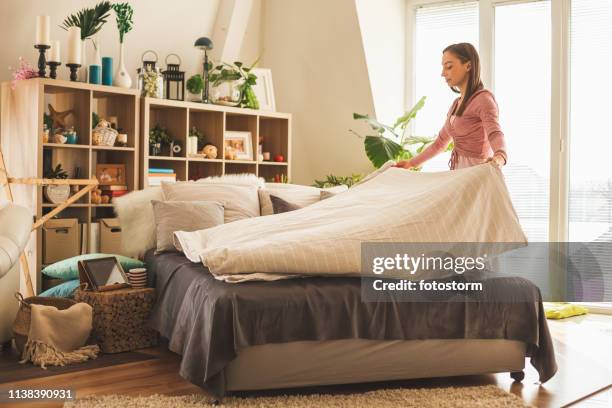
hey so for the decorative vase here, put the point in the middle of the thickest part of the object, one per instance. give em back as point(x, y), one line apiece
point(97, 58)
point(154, 149)
point(227, 93)
point(122, 77)
point(83, 72)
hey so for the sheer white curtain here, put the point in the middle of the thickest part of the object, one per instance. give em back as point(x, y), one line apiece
point(438, 26)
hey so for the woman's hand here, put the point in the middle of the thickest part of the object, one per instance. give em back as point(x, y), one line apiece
point(497, 160)
point(404, 164)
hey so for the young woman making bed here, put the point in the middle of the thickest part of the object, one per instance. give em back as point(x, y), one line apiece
point(471, 121)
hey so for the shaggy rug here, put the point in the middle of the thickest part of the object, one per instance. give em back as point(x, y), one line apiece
point(488, 396)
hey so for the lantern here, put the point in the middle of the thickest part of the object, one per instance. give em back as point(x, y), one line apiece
point(150, 78)
point(175, 79)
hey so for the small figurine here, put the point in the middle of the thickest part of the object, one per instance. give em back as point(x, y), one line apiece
point(210, 151)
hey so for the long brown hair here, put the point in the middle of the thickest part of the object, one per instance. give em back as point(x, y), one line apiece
point(466, 52)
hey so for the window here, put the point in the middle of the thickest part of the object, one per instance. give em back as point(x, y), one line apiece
point(590, 139)
point(437, 27)
point(522, 66)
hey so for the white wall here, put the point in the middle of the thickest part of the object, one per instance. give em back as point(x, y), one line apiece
point(383, 31)
point(163, 26)
point(315, 51)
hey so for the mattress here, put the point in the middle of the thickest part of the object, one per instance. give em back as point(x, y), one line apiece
point(209, 321)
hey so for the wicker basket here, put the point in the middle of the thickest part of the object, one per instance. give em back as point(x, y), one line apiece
point(104, 135)
point(21, 326)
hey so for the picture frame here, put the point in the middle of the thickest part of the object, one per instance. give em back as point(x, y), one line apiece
point(264, 89)
point(110, 174)
point(241, 142)
point(102, 274)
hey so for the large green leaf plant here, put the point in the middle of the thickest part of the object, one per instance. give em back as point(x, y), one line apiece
point(392, 142)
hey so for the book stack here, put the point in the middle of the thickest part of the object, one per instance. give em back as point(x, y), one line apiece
point(115, 190)
point(157, 175)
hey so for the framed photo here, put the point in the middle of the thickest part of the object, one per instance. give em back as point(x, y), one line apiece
point(102, 274)
point(111, 174)
point(264, 90)
point(241, 144)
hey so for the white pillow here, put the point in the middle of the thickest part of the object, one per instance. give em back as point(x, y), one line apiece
point(239, 201)
point(136, 217)
point(246, 179)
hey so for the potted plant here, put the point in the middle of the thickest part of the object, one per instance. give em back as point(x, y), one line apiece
point(57, 193)
point(158, 136)
point(392, 142)
point(90, 21)
point(124, 14)
point(195, 86)
point(233, 85)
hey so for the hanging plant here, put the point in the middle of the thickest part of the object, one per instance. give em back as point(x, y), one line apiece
point(124, 13)
point(89, 20)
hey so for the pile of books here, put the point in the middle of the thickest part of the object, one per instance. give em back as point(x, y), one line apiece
point(157, 175)
point(113, 191)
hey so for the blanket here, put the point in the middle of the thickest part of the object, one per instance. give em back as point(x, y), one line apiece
point(465, 205)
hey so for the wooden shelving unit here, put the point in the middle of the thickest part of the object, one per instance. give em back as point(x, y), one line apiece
point(22, 139)
point(213, 121)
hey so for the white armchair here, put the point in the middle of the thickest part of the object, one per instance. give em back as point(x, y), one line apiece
point(15, 228)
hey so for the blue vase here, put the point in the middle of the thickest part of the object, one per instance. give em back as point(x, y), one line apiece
point(95, 74)
point(107, 71)
point(71, 138)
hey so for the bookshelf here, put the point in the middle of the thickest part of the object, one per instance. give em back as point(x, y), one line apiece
point(178, 117)
point(21, 137)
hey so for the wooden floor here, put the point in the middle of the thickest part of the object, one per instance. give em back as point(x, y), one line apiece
point(582, 344)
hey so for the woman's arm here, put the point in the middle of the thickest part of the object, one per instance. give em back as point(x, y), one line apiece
point(430, 151)
point(489, 114)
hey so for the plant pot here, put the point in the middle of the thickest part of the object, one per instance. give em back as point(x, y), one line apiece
point(154, 149)
point(227, 93)
point(122, 78)
point(194, 97)
point(57, 194)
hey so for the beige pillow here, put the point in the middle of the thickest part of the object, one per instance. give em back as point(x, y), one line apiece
point(135, 214)
point(240, 202)
point(171, 216)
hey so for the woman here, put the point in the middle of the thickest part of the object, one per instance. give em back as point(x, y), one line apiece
point(471, 121)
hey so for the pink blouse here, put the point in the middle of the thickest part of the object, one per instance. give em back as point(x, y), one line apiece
point(476, 133)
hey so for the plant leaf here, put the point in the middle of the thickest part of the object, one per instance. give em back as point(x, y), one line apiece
point(374, 124)
point(380, 149)
point(411, 114)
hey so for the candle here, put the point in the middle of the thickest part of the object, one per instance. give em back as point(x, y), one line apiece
point(43, 29)
point(74, 45)
point(55, 52)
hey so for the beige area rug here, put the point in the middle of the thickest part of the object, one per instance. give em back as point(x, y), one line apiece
point(487, 396)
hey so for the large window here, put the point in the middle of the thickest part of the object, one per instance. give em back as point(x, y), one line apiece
point(590, 139)
point(437, 27)
point(522, 89)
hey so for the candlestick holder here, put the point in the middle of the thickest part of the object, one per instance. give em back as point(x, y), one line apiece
point(42, 48)
point(53, 68)
point(73, 71)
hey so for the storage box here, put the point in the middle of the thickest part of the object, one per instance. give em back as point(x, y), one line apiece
point(110, 236)
point(62, 239)
point(121, 318)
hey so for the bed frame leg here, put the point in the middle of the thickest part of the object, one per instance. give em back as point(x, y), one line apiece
point(517, 376)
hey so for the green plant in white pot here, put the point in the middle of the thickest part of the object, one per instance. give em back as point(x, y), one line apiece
point(392, 142)
point(195, 86)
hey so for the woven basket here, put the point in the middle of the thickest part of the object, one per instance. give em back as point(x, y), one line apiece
point(21, 326)
point(104, 135)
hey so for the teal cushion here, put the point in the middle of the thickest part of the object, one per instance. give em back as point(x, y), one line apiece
point(68, 269)
point(64, 290)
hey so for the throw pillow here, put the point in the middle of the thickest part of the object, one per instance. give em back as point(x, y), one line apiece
point(68, 269)
point(171, 216)
point(281, 206)
point(135, 214)
point(239, 201)
point(64, 290)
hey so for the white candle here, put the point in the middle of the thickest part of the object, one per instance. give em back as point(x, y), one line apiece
point(74, 45)
point(43, 29)
point(55, 52)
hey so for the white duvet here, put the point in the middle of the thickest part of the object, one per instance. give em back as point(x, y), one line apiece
point(396, 205)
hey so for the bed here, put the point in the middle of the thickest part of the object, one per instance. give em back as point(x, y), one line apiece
point(315, 330)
